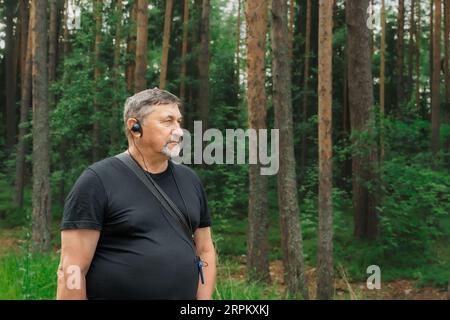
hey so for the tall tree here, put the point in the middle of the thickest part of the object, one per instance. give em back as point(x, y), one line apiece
point(41, 215)
point(10, 73)
point(400, 53)
point(117, 69)
point(435, 89)
point(303, 157)
point(291, 236)
point(238, 42)
point(418, 37)
point(184, 48)
point(131, 47)
point(25, 101)
point(166, 41)
point(446, 67)
point(98, 8)
point(411, 46)
point(382, 69)
point(203, 65)
point(258, 219)
point(360, 91)
point(52, 47)
point(291, 28)
point(325, 281)
point(140, 82)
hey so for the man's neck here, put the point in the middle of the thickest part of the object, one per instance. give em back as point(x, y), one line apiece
point(149, 161)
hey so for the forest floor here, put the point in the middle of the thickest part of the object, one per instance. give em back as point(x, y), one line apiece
point(400, 289)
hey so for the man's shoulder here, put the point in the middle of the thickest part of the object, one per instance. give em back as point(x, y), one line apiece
point(186, 171)
point(105, 166)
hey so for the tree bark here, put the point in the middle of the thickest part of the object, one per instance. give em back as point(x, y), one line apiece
point(41, 215)
point(304, 152)
point(360, 89)
point(25, 103)
point(10, 75)
point(116, 108)
point(382, 71)
point(411, 47)
point(52, 47)
point(131, 48)
point(98, 6)
point(325, 279)
point(203, 66)
point(418, 43)
point(435, 92)
point(291, 236)
point(400, 54)
point(257, 243)
point(140, 82)
point(166, 43)
point(184, 48)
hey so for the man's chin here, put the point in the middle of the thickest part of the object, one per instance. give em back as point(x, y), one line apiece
point(171, 153)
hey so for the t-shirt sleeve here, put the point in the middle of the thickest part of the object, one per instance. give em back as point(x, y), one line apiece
point(85, 205)
point(205, 217)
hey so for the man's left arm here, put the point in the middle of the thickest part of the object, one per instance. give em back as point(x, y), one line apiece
point(205, 249)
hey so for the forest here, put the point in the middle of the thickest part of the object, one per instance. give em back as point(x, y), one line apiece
point(357, 90)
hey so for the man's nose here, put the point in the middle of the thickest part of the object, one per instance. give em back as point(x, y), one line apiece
point(178, 131)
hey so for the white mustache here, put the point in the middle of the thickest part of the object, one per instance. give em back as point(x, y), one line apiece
point(176, 139)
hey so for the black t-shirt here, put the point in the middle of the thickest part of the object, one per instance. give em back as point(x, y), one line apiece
point(143, 252)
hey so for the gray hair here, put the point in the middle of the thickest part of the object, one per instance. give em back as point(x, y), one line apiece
point(142, 104)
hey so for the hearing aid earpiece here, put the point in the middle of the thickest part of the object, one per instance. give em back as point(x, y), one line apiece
point(137, 127)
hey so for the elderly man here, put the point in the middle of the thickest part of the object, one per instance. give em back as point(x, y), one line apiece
point(120, 239)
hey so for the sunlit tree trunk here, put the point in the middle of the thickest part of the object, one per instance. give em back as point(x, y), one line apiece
point(325, 289)
point(258, 219)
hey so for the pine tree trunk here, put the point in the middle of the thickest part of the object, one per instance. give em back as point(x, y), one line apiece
point(400, 54)
point(258, 219)
point(140, 82)
point(435, 92)
point(360, 89)
point(116, 108)
point(325, 279)
point(291, 28)
point(418, 43)
point(203, 66)
point(446, 68)
point(382, 70)
point(184, 48)
point(97, 79)
point(166, 42)
point(131, 48)
point(41, 215)
point(10, 75)
point(411, 48)
point(52, 47)
point(238, 44)
point(304, 151)
point(291, 236)
point(25, 102)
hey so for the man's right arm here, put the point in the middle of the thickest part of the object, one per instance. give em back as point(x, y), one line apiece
point(77, 250)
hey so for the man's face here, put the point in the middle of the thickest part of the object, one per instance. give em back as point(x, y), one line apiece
point(162, 130)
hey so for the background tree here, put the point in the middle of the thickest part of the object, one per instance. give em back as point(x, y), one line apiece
point(435, 89)
point(325, 279)
point(257, 243)
point(166, 40)
point(291, 236)
point(140, 82)
point(360, 90)
point(41, 140)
